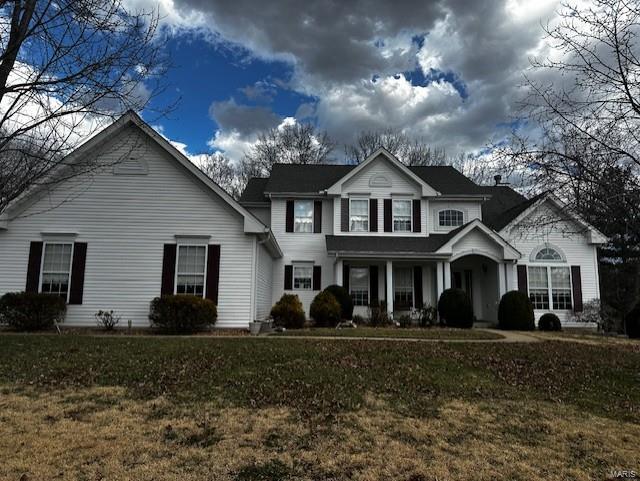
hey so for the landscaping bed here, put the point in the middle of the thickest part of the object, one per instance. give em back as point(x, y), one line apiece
point(396, 332)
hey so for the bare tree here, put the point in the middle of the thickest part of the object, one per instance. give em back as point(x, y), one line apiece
point(408, 151)
point(223, 172)
point(288, 144)
point(583, 143)
point(67, 67)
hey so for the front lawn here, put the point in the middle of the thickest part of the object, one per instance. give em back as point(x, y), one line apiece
point(396, 332)
point(254, 409)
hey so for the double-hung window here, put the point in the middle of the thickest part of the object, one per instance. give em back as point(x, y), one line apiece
point(56, 269)
point(302, 277)
point(550, 287)
point(402, 215)
point(359, 215)
point(359, 285)
point(303, 216)
point(403, 288)
point(190, 272)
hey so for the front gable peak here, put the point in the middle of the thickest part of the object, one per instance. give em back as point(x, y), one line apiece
point(378, 179)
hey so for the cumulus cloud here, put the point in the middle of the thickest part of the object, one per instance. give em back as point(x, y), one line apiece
point(337, 49)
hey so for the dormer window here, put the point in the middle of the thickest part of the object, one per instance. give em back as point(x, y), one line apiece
point(402, 215)
point(359, 215)
point(450, 218)
point(303, 216)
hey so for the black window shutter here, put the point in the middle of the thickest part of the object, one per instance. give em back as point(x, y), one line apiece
point(78, 263)
point(344, 215)
point(317, 217)
point(522, 279)
point(317, 278)
point(417, 287)
point(289, 219)
point(288, 278)
point(373, 284)
point(373, 215)
point(213, 272)
point(388, 219)
point(576, 281)
point(168, 270)
point(416, 215)
point(345, 277)
point(33, 267)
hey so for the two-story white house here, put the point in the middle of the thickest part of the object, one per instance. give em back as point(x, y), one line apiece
point(143, 221)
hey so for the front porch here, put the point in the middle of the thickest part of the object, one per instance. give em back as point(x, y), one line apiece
point(402, 284)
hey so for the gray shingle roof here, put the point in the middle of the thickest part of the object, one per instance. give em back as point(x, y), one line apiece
point(498, 219)
point(254, 191)
point(386, 244)
point(297, 178)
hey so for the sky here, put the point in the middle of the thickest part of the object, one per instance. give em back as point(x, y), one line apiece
point(446, 72)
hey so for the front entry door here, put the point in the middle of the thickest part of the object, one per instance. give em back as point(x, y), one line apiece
point(464, 280)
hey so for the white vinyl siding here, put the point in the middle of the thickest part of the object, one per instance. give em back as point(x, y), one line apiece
point(264, 284)
point(126, 220)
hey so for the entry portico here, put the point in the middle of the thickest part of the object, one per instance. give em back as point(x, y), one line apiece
point(403, 273)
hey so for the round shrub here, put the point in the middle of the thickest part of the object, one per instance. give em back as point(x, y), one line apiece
point(454, 307)
point(515, 312)
point(632, 323)
point(31, 312)
point(288, 312)
point(325, 310)
point(182, 314)
point(549, 322)
point(344, 299)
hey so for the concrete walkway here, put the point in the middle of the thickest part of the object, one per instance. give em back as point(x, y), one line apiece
point(507, 337)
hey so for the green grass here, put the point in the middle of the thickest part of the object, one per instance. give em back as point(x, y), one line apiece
point(319, 377)
point(395, 332)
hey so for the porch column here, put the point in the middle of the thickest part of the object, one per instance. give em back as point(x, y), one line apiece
point(447, 275)
point(502, 281)
point(439, 280)
point(512, 277)
point(338, 272)
point(389, 293)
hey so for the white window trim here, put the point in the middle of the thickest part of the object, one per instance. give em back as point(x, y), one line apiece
point(368, 213)
point(44, 249)
point(548, 266)
point(368, 282)
point(546, 245)
point(393, 224)
point(445, 227)
point(206, 259)
point(294, 266)
point(313, 215)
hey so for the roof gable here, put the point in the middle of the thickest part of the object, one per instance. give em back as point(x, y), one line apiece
point(426, 189)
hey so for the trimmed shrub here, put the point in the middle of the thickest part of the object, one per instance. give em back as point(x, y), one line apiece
point(515, 312)
point(325, 310)
point(182, 314)
point(378, 315)
point(31, 312)
point(288, 312)
point(632, 323)
point(344, 299)
point(454, 307)
point(405, 321)
point(549, 322)
point(357, 319)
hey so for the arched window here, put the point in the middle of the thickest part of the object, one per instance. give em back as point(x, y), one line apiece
point(547, 254)
point(450, 218)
